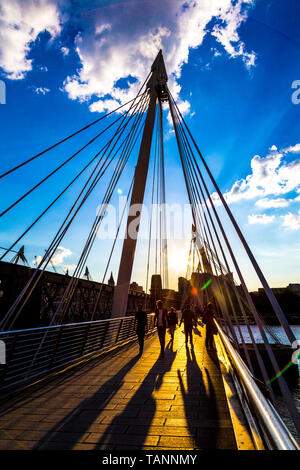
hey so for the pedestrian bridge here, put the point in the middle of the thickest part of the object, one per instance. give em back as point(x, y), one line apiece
point(186, 400)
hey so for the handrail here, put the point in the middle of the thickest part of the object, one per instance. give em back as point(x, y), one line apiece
point(65, 324)
point(35, 352)
point(268, 418)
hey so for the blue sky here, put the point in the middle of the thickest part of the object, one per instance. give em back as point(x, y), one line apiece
point(231, 67)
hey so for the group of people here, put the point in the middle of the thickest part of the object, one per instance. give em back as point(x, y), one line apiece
point(165, 319)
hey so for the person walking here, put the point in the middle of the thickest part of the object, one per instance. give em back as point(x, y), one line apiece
point(161, 321)
point(208, 320)
point(173, 321)
point(189, 320)
point(141, 322)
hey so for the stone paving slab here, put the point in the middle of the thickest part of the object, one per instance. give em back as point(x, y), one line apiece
point(124, 401)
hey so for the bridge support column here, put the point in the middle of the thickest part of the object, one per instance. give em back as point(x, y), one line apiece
point(133, 220)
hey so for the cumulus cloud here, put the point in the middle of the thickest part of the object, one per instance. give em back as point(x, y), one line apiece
point(110, 48)
point(267, 203)
point(227, 33)
point(260, 219)
point(271, 175)
point(120, 41)
point(103, 105)
point(20, 25)
point(292, 149)
point(69, 267)
point(291, 221)
point(60, 254)
point(57, 258)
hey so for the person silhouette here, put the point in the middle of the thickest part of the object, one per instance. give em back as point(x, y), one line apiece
point(161, 321)
point(173, 321)
point(189, 320)
point(141, 322)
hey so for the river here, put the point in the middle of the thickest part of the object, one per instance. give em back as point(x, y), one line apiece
point(295, 388)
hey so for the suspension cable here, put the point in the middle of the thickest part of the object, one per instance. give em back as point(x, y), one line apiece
point(60, 234)
point(58, 168)
point(69, 137)
point(282, 383)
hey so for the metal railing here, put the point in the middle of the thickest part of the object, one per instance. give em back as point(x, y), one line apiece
point(33, 353)
point(275, 433)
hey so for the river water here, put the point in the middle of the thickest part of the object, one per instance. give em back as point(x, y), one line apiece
point(278, 332)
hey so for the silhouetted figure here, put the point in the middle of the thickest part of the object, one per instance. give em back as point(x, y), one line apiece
point(161, 321)
point(189, 320)
point(198, 312)
point(208, 320)
point(173, 321)
point(141, 319)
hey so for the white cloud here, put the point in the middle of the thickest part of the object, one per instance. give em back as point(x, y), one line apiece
point(41, 90)
point(121, 40)
point(65, 50)
point(36, 260)
point(267, 203)
point(59, 255)
point(215, 52)
point(228, 36)
point(292, 149)
point(69, 267)
point(57, 258)
point(20, 25)
point(291, 221)
point(273, 148)
point(261, 219)
point(104, 105)
point(270, 175)
point(110, 48)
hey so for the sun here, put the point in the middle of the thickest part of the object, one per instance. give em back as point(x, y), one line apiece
point(178, 261)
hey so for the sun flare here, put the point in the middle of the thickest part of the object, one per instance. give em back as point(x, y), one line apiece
point(178, 261)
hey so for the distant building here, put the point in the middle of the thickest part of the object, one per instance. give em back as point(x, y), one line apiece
point(171, 298)
point(111, 281)
point(135, 286)
point(90, 299)
point(288, 299)
point(295, 288)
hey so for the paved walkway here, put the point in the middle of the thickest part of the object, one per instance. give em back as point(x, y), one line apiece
point(125, 402)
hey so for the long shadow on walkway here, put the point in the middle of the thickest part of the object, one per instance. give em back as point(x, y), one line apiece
point(196, 331)
point(143, 402)
point(74, 423)
point(204, 425)
point(17, 402)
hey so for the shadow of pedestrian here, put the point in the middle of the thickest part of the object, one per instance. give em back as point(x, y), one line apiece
point(196, 331)
point(200, 404)
point(142, 404)
point(77, 422)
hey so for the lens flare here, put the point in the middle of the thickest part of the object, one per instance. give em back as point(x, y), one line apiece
point(283, 370)
point(206, 285)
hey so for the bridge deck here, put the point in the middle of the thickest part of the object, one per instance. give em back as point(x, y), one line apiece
point(125, 402)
